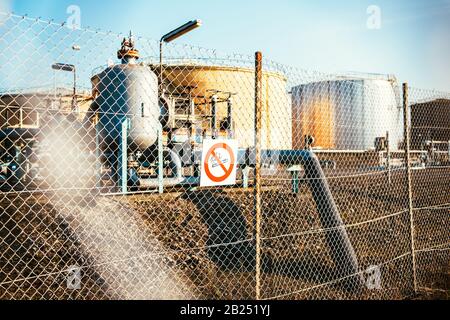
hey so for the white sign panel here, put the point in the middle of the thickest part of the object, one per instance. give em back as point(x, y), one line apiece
point(219, 163)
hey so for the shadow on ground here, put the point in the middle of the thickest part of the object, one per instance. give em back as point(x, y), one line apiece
point(231, 248)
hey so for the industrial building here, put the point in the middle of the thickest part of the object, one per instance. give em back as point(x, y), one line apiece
point(430, 121)
point(24, 116)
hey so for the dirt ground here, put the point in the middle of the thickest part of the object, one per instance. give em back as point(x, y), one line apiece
point(206, 237)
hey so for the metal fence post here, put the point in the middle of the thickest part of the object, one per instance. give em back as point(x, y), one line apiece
point(406, 139)
point(123, 156)
point(257, 188)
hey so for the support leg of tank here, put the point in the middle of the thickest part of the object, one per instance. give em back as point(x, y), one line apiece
point(295, 181)
point(123, 158)
point(245, 173)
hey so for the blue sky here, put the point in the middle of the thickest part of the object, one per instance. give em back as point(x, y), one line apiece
point(330, 36)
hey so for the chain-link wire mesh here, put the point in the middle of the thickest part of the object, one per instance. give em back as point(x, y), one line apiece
point(430, 138)
point(339, 228)
point(101, 144)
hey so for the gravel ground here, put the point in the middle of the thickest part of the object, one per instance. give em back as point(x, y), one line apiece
point(42, 236)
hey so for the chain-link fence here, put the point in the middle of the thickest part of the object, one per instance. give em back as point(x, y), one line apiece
point(430, 133)
point(101, 157)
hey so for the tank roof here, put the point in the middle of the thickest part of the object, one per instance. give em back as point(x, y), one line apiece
point(203, 67)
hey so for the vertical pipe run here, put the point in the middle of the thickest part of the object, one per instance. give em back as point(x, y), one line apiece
point(406, 139)
point(160, 161)
point(337, 238)
point(123, 159)
point(295, 181)
point(257, 173)
point(21, 117)
point(433, 153)
point(448, 150)
point(388, 157)
point(230, 117)
point(98, 165)
point(214, 116)
point(160, 69)
point(191, 119)
point(245, 174)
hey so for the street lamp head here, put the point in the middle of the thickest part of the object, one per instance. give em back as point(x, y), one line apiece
point(178, 32)
point(63, 67)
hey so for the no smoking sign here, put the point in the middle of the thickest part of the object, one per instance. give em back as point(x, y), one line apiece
point(218, 163)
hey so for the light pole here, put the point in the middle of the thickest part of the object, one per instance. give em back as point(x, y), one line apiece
point(172, 35)
point(69, 68)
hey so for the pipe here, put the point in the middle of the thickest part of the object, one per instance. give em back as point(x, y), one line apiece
point(122, 167)
point(160, 161)
point(230, 117)
point(337, 238)
point(176, 168)
point(214, 116)
point(388, 158)
point(93, 108)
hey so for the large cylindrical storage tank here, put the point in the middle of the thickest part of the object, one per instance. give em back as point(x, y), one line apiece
point(127, 90)
point(347, 114)
point(276, 113)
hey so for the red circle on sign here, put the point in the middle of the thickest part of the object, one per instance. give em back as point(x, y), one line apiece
point(227, 172)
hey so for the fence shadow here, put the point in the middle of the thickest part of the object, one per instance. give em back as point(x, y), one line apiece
point(228, 230)
point(307, 268)
point(230, 249)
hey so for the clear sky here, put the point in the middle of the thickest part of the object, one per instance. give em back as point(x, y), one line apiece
point(413, 42)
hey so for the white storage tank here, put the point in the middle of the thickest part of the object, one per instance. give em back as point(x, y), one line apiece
point(347, 113)
point(128, 90)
